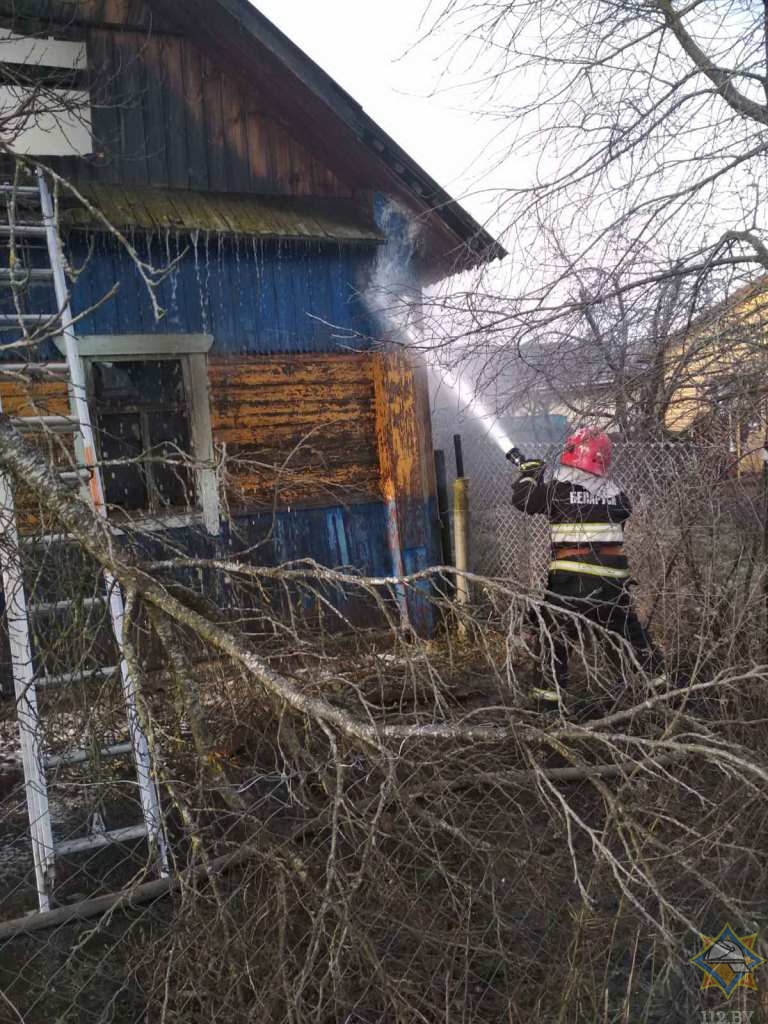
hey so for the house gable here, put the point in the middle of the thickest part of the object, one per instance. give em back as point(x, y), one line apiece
point(167, 114)
point(209, 95)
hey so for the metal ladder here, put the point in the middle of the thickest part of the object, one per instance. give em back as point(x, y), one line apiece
point(20, 612)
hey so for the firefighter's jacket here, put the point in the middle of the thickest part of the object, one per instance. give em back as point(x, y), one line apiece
point(586, 516)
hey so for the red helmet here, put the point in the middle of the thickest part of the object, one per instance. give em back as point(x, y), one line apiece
point(589, 450)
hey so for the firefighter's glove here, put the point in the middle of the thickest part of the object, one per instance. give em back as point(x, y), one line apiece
point(533, 468)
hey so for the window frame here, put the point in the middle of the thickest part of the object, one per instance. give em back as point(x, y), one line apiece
point(106, 408)
point(190, 350)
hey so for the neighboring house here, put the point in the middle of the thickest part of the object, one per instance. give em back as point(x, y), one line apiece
point(716, 373)
point(289, 221)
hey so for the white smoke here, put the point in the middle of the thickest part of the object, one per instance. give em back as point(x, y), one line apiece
point(394, 297)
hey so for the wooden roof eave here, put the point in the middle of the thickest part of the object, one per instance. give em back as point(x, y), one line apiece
point(334, 122)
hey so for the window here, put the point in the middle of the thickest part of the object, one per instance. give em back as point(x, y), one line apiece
point(149, 402)
point(141, 416)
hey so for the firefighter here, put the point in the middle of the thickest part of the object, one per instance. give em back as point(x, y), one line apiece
point(588, 573)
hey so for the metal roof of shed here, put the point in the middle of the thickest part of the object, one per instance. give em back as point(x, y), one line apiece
point(181, 210)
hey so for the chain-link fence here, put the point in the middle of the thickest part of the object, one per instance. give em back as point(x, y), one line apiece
point(509, 544)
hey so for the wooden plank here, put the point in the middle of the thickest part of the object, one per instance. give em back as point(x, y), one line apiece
point(235, 138)
point(197, 151)
point(259, 485)
point(242, 401)
point(219, 132)
point(174, 105)
point(131, 90)
point(317, 412)
point(261, 370)
point(257, 138)
point(285, 411)
point(45, 397)
point(106, 121)
point(154, 119)
point(400, 432)
point(214, 118)
point(122, 12)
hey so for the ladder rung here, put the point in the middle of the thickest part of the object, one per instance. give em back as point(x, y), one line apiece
point(36, 230)
point(23, 274)
point(51, 607)
point(67, 678)
point(57, 424)
point(75, 476)
point(81, 756)
point(36, 368)
point(49, 538)
point(100, 840)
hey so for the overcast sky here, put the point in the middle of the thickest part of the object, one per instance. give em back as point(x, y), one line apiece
point(368, 48)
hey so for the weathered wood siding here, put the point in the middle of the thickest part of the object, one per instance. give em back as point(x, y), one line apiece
point(68, 14)
point(165, 114)
point(44, 397)
point(404, 438)
point(298, 430)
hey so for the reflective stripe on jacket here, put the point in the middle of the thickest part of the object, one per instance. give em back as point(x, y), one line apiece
point(586, 533)
point(573, 565)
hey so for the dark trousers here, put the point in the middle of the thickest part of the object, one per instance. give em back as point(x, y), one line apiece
point(604, 602)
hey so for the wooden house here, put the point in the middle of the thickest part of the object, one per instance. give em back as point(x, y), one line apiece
point(715, 374)
point(214, 170)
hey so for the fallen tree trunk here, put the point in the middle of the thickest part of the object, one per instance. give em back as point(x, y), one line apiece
point(126, 898)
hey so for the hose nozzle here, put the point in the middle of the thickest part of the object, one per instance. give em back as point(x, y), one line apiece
point(515, 456)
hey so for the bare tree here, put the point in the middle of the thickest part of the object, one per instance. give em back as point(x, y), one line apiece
point(641, 128)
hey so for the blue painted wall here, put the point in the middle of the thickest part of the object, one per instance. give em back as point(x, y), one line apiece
point(253, 296)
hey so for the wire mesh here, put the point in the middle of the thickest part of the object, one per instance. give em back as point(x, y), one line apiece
point(509, 544)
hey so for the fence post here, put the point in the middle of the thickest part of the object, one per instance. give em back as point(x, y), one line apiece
point(461, 537)
point(461, 531)
point(443, 509)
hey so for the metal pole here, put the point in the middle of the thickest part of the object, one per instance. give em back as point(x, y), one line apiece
point(396, 553)
point(459, 453)
point(461, 543)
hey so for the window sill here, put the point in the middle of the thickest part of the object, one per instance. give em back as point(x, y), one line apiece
point(142, 523)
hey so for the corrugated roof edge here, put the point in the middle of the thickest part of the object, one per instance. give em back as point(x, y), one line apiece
point(159, 209)
point(480, 243)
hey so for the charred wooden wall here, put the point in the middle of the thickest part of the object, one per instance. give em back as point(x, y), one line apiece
point(302, 432)
point(295, 431)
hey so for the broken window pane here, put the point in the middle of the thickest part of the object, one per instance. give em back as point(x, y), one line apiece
point(142, 417)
